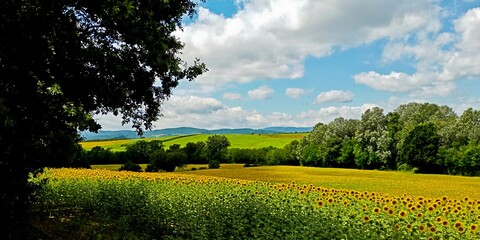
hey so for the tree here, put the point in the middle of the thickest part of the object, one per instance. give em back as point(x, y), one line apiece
point(413, 114)
point(372, 150)
point(421, 147)
point(195, 152)
point(467, 128)
point(217, 146)
point(63, 61)
point(166, 160)
point(139, 152)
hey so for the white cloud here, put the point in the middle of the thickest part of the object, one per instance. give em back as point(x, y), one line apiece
point(297, 93)
point(334, 96)
point(441, 58)
point(464, 60)
point(328, 114)
point(192, 105)
point(210, 113)
point(270, 39)
point(232, 96)
point(213, 114)
point(393, 82)
point(262, 92)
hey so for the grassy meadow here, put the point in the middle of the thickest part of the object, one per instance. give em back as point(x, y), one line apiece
point(236, 140)
point(254, 204)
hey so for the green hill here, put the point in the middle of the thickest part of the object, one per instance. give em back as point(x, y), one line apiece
point(236, 140)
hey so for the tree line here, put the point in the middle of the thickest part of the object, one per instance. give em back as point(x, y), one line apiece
point(212, 152)
point(421, 137)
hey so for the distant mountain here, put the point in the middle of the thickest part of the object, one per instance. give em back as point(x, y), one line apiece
point(289, 129)
point(129, 134)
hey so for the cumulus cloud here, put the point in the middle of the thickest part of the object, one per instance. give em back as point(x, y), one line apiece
point(210, 113)
point(262, 92)
point(297, 93)
point(270, 39)
point(232, 96)
point(464, 60)
point(393, 82)
point(328, 114)
point(334, 96)
point(206, 113)
point(441, 59)
point(192, 104)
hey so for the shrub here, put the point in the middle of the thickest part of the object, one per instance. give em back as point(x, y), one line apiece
point(166, 160)
point(130, 166)
point(213, 164)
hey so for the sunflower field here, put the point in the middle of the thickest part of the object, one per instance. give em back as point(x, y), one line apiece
point(103, 204)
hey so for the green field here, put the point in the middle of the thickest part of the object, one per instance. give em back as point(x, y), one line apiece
point(236, 140)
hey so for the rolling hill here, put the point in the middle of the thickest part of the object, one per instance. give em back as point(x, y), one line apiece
point(130, 134)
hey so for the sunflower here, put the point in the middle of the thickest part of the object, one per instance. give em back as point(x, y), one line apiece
point(457, 224)
point(420, 215)
point(461, 229)
point(474, 228)
point(445, 223)
point(391, 212)
point(366, 219)
point(432, 229)
point(409, 227)
point(438, 219)
point(376, 210)
point(320, 203)
point(402, 214)
point(422, 228)
point(397, 226)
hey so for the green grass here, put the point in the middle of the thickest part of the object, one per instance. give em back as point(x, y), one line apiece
point(236, 140)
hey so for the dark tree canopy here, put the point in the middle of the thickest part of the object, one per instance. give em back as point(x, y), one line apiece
point(62, 61)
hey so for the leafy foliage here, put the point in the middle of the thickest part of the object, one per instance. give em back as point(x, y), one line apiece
point(216, 150)
point(420, 148)
point(130, 166)
point(63, 61)
point(420, 136)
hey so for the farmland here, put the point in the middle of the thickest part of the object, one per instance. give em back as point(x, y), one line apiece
point(236, 140)
point(256, 203)
point(390, 182)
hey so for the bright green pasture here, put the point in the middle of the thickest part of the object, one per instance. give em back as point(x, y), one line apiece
point(116, 145)
point(236, 140)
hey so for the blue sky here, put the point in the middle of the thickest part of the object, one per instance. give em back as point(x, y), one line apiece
point(297, 63)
